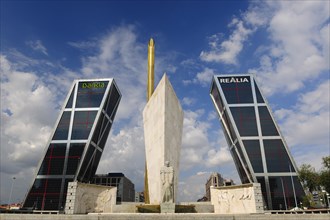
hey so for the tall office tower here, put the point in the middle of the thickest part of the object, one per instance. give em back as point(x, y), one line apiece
point(76, 144)
point(255, 142)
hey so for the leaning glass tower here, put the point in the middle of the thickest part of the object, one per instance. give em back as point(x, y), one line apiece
point(76, 144)
point(255, 142)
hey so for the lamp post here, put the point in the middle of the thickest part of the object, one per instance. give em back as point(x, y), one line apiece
point(11, 191)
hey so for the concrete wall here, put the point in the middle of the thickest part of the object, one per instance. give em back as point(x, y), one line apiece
point(142, 216)
point(85, 198)
point(237, 199)
point(163, 122)
point(201, 207)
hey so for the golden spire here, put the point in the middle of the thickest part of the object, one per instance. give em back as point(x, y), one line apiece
point(150, 90)
point(151, 68)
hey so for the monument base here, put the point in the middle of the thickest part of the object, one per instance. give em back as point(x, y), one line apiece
point(167, 207)
point(83, 198)
point(237, 199)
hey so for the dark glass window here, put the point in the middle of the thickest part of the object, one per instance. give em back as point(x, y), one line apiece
point(252, 148)
point(52, 195)
point(90, 164)
point(33, 201)
point(281, 191)
point(45, 194)
point(105, 134)
point(229, 125)
point(112, 102)
point(90, 94)
point(53, 162)
point(258, 94)
point(86, 164)
point(239, 167)
point(216, 96)
point(98, 131)
point(82, 124)
point(104, 181)
point(240, 152)
point(277, 157)
point(69, 103)
point(245, 120)
point(236, 89)
point(267, 124)
point(112, 117)
point(61, 132)
point(94, 164)
point(75, 153)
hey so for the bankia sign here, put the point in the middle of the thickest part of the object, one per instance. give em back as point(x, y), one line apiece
point(92, 85)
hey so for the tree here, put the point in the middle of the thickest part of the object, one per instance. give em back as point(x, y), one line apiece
point(309, 177)
point(326, 162)
point(325, 174)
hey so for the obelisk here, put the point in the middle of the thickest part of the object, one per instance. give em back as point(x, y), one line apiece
point(163, 123)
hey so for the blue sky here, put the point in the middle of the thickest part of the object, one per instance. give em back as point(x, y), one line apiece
point(45, 45)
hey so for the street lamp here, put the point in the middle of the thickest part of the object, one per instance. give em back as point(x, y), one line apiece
point(11, 191)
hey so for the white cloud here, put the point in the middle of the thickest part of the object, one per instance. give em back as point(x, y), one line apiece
point(218, 157)
point(37, 46)
point(83, 45)
point(27, 107)
point(193, 188)
point(203, 78)
point(308, 123)
point(227, 51)
point(306, 126)
point(299, 48)
point(194, 140)
point(125, 153)
point(123, 58)
point(28, 110)
point(212, 116)
point(188, 101)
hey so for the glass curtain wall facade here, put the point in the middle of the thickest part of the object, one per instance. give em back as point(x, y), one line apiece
point(76, 144)
point(255, 142)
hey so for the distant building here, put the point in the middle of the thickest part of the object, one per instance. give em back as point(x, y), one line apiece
point(228, 182)
point(76, 143)
point(256, 144)
point(139, 196)
point(215, 180)
point(125, 187)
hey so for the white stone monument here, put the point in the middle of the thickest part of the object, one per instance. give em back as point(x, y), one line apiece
point(167, 178)
point(237, 199)
point(83, 198)
point(163, 122)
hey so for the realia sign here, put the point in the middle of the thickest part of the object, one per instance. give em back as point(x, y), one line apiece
point(233, 80)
